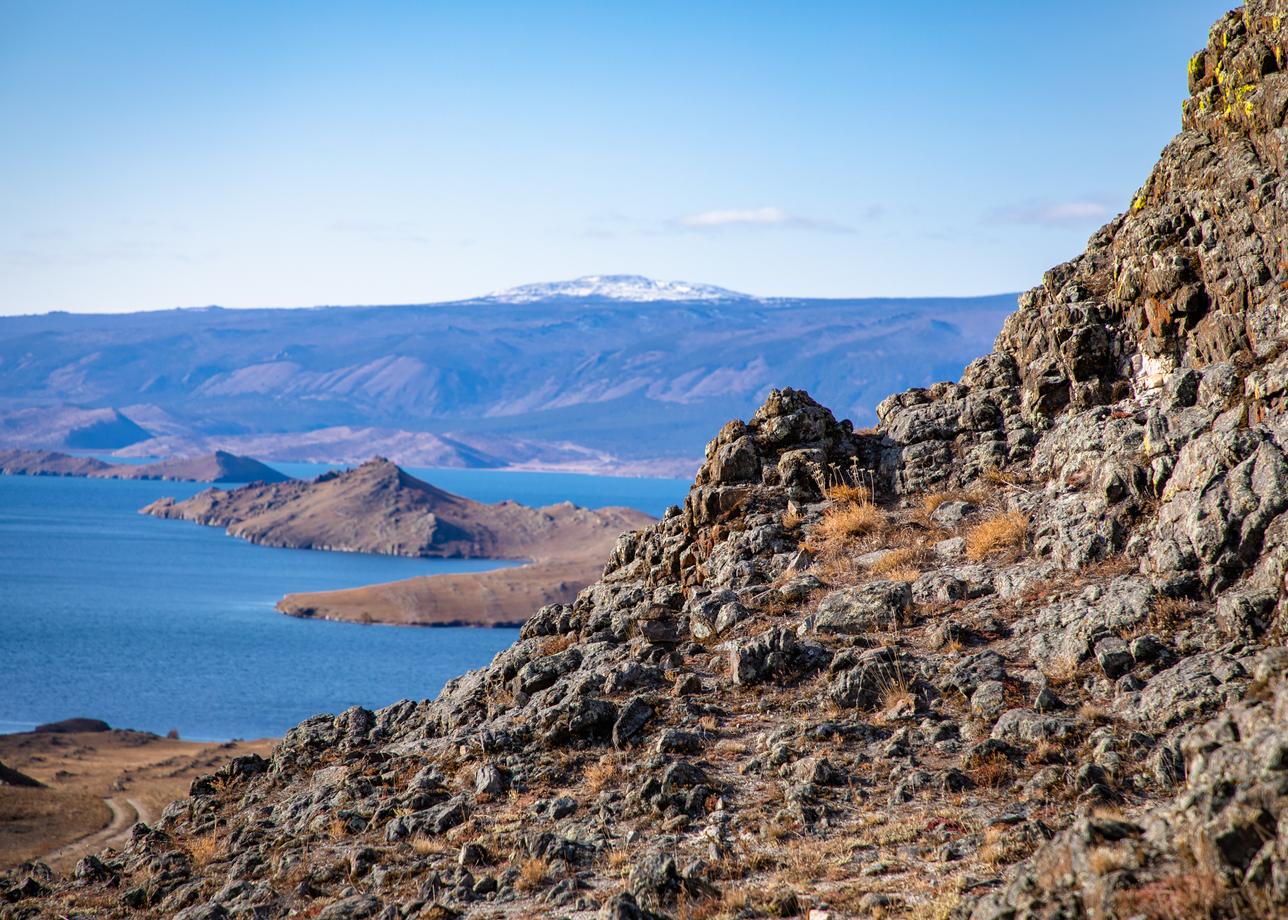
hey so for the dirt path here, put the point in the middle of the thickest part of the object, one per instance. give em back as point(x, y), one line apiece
point(97, 786)
point(124, 816)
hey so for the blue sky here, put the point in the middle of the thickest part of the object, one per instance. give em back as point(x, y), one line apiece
point(165, 153)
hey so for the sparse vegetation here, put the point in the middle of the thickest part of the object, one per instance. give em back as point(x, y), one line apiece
point(553, 645)
point(204, 849)
point(1005, 532)
point(533, 873)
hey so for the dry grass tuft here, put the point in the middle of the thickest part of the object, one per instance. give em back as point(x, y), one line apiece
point(848, 494)
point(204, 850)
point(1189, 895)
point(902, 560)
point(553, 645)
point(992, 772)
point(428, 846)
point(1171, 613)
point(1002, 532)
point(1001, 477)
point(533, 873)
point(844, 522)
point(792, 519)
point(602, 775)
point(338, 829)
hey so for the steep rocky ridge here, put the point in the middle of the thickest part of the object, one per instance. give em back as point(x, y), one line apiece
point(1017, 652)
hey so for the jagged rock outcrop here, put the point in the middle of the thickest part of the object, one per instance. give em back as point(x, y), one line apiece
point(1016, 653)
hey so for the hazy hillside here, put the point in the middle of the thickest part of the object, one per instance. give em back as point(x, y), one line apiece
point(574, 373)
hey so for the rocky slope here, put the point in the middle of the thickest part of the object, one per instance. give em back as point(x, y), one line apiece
point(219, 466)
point(1018, 652)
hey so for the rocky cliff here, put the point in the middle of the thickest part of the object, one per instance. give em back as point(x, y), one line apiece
point(1017, 652)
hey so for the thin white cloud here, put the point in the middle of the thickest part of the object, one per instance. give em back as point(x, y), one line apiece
point(731, 218)
point(1056, 214)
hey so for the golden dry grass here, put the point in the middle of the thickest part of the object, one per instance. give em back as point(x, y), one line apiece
point(600, 776)
point(532, 874)
point(848, 494)
point(904, 563)
point(1190, 895)
point(992, 772)
point(1171, 613)
point(791, 519)
point(1001, 532)
point(553, 645)
point(849, 520)
point(204, 850)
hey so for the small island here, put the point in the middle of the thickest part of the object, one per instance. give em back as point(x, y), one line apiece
point(220, 466)
point(379, 508)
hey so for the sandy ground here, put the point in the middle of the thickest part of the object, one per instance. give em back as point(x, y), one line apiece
point(505, 597)
point(97, 785)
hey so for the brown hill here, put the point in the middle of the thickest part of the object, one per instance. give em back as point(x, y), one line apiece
point(220, 466)
point(379, 508)
point(48, 463)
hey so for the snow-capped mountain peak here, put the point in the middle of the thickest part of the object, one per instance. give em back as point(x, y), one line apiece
point(634, 288)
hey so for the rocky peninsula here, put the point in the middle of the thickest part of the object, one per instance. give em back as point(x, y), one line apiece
point(1016, 653)
point(379, 508)
point(220, 466)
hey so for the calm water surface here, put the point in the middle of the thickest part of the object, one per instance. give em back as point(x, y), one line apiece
point(163, 625)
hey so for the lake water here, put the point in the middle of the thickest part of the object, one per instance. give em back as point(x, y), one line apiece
point(161, 625)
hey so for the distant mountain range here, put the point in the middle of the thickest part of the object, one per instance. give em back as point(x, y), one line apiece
point(602, 373)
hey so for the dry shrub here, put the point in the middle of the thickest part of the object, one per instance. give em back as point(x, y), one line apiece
point(428, 846)
point(1001, 477)
point(792, 519)
point(1188, 895)
point(1002, 532)
point(600, 776)
point(931, 501)
point(902, 564)
point(553, 645)
point(1171, 613)
point(992, 772)
point(903, 573)
point(848, 494)
point(204, 850)
point(844, 522)
point(532, 874)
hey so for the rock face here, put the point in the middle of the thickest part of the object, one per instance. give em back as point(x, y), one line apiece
point(1065, 694)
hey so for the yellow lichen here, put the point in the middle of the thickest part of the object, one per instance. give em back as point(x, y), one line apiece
point(1195, 64)
point(1138, 202)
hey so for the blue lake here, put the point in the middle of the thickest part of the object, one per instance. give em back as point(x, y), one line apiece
point(161, 625)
